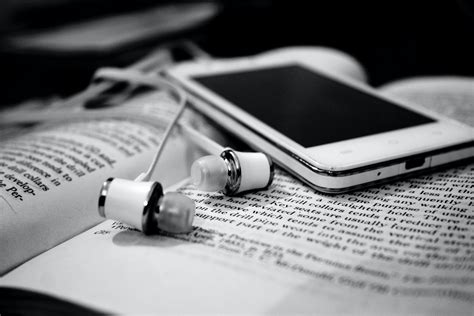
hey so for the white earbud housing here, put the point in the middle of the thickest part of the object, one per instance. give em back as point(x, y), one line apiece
point(256, 170)
point(233, 172)
point(144, 206)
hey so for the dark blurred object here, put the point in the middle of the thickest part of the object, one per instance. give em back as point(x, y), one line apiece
point(393, 39)
point(14, 301)
point(114, 32)
point(40, 58)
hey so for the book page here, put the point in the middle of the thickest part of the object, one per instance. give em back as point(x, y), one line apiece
point(407, 247)
point(450, 96)
point(50, 176)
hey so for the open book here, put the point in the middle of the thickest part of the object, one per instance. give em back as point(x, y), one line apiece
point(405, 247)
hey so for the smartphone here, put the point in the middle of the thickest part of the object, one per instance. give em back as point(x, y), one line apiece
point(333, 132)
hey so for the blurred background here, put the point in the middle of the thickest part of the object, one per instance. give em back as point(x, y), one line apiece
point(53, 46)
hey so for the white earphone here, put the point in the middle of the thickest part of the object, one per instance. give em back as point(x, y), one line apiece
point(232, 172)
point(143, 204)
point(226, 170)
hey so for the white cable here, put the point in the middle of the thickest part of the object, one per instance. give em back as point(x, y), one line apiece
point(197, 52)
point(151, 62)
point(139, 78)
point(147, 175)
point(204, 142)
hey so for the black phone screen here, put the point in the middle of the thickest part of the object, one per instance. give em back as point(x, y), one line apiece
point(309, 107)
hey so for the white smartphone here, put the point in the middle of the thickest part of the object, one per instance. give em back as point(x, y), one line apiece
point(332, 132)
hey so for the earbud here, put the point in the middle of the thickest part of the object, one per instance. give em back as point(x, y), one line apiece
point(144, 206)
point(232, 172)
